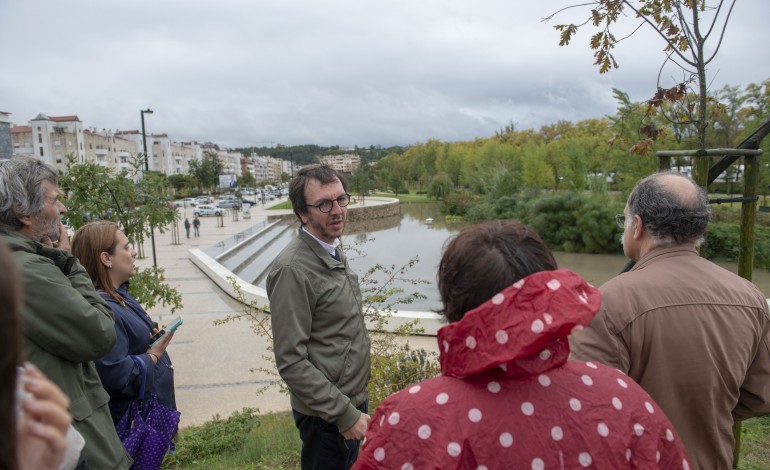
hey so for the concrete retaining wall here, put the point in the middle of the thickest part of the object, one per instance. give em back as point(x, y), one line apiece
point(384, 207)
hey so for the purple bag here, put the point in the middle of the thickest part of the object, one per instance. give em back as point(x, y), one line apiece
point(147, 428)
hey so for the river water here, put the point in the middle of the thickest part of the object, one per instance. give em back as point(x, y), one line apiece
point(394, 241)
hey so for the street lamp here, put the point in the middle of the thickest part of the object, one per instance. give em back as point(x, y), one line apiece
point(147, 168)
point(144, 139)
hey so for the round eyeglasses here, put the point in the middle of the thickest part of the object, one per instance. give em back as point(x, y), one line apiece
point(620, 219)
point(326, 205)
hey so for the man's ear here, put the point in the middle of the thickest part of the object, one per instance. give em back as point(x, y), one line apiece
point(303, 218)
point(638, 227)
point(26, 220)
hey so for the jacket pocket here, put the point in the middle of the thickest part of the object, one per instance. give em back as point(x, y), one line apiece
point(338, 362)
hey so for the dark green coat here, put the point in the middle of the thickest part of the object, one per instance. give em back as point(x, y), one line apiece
point(66, 326)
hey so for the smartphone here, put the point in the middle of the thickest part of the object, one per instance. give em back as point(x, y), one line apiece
point(170, 327)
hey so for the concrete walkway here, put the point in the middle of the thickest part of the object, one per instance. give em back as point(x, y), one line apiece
point(212, 364)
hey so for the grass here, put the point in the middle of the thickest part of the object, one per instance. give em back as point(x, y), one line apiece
point(407, 198)
point(247, 440)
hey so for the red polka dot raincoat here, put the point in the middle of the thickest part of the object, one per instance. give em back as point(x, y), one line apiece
point(508, 398)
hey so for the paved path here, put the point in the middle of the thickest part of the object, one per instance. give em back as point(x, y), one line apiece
point(212, 363)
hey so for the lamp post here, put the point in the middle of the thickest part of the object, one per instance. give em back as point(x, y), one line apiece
point(147, 168)
point(144, 138)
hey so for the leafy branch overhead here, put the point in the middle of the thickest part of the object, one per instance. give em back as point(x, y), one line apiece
point(685, 27)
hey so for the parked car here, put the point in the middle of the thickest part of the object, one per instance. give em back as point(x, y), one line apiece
point(229, 203)
point(203, 200)
point(207, 209)
point(188, 201)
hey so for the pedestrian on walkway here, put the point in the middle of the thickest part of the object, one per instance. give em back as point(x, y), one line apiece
point(197, 226)
point(187, 226)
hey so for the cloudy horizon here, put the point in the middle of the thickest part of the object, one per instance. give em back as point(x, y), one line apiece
point(239, 73)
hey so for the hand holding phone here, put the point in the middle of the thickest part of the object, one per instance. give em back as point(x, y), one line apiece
point(171, 327)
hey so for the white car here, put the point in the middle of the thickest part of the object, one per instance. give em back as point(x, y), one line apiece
point(208, 209)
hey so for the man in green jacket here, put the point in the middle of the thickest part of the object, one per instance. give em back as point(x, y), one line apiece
point(66, 324)
point(321, 343)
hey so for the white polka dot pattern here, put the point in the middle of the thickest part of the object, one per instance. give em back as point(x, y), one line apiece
point(470, 342)
point(442, 398)
point(506, 439)
point(493, 387)
point(498, 299)
point(424, 431)
point(501, 336)
point(474, 415)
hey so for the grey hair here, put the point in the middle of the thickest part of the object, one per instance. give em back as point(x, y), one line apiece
point(672, 217)
point(21, 189)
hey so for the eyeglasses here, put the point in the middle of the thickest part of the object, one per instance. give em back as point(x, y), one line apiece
point(620, 219)
point(326, 205)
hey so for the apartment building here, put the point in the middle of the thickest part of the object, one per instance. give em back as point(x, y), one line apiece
point(54, 138)
point(346, 163)
point(51, 139)
point(266, 168)
point(6, 145)
point(109, 149)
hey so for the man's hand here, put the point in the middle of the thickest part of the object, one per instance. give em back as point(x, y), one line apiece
point(358, 430)
point(63, 243)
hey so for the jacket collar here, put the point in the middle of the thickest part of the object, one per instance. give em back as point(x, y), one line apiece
point(522, 330)
point(667, 251)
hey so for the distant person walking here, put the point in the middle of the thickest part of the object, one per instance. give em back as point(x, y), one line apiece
point(196, 226)
point(187, 226)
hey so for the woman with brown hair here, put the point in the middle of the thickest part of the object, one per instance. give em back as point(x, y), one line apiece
point(108, 257)
point(508, 397)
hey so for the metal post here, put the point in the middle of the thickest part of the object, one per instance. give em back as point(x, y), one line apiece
point(147, 168)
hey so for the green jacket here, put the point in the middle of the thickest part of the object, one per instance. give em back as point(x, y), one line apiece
point(66, 326)
point(320, 340)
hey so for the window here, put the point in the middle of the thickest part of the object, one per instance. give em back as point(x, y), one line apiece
point(41, 151)
point(40, 138)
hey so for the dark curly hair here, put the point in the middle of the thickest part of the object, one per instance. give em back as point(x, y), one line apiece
point(672, 215)
point(483, 259)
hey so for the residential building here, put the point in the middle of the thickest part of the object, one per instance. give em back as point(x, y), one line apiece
point(346, 163)
point(55, 138)
point(6, 145)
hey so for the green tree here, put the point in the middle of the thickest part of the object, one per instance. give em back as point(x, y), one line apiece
point(685, 26)
point(207, 170)
point(136, 202)
point(440, 186)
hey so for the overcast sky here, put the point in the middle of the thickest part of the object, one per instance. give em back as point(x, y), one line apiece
point(330, 72)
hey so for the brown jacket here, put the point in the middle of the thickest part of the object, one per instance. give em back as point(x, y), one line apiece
point(696, 337)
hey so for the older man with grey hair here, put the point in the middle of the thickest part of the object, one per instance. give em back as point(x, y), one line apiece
point(66, 323)
point(695, 336)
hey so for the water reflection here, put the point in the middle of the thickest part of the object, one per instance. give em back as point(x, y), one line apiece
point(396, 240)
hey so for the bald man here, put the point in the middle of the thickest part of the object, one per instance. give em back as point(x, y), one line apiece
point(695, 336)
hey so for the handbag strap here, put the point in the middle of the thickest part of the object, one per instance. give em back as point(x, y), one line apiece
point(143, 368)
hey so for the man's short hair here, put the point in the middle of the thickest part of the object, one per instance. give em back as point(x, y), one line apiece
point(483, 259)
point(323, 173)
point(21, 189)
point(672, 217)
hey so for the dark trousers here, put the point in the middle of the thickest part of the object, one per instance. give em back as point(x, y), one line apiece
point(323, 447)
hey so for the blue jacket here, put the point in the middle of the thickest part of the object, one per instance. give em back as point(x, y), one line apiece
point(121, 377)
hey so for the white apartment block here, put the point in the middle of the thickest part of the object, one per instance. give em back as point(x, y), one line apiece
point(346, 163)
point(109, 150)
point(51, 139)
point(266, 168)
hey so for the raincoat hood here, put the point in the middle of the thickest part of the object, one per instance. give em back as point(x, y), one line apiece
point(522, 330)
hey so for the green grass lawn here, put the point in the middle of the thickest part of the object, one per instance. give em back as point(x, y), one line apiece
point(247, 440)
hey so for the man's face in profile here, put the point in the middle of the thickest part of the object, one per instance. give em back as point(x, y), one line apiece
point(46, 223)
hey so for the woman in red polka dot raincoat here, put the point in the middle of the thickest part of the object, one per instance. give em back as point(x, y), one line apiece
point(508, 397)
